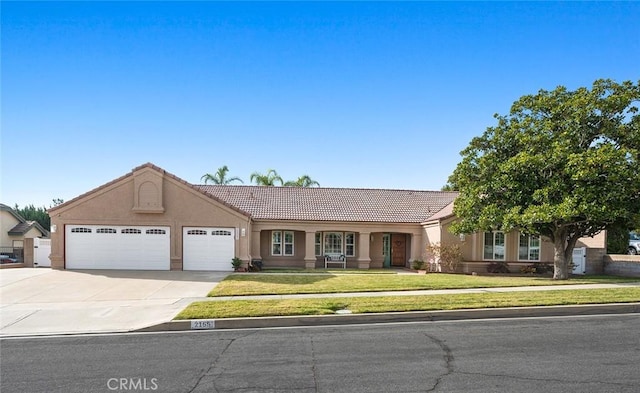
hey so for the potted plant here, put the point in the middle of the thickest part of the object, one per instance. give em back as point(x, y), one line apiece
point(236, 263)
point(418, 264)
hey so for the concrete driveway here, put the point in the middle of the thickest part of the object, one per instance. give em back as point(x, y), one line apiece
point(45, 301)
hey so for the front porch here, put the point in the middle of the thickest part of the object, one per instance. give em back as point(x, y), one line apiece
point(295, 248)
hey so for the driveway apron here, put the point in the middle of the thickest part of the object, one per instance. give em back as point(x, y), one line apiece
point(46, 301)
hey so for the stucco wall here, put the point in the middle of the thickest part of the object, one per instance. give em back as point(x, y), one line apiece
point(114, 203)
point(7, 222)
point(598, 241)
point(622, 265)
point(296, 260)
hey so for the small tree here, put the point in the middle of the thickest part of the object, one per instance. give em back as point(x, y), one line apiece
point(236, 263)
point(448, 256)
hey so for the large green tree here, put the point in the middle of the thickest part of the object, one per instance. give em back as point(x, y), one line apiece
point(562, 164)
point(220, 177)
point(302, 181)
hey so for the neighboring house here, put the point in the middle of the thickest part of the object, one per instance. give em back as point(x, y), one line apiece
point(14, 229)
point(150, 219)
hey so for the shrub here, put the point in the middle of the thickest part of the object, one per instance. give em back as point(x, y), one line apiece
point(448, 256)
point(544, 267)
point(236, 263)
point(529, 269)
point(536, 268)
point(617, 240)
point(498, 267)
point(417, 264)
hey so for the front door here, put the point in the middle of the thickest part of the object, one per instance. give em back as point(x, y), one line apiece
point(386, 249)
point(398, 250)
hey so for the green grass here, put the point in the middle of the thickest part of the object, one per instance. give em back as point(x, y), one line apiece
point(282, 284)
point(323, 306)
point(328, 271)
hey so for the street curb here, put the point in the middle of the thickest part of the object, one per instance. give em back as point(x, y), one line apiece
point(412, 316)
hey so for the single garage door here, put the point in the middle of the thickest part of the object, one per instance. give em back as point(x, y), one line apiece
point(207, 248)
point(117, 247)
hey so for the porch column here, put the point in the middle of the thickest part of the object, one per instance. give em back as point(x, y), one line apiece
point(255, 245)
point(27, 252)
point(416, 247)
point(310, 250)
point(364, 243)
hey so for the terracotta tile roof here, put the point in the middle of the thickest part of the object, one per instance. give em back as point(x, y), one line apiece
point(446, 212)
point(332, 204)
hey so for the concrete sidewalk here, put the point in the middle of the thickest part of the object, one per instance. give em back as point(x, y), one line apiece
point(412, 316)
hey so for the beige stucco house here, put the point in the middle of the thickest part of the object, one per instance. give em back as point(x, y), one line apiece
point(14, 229)
point(151, 219)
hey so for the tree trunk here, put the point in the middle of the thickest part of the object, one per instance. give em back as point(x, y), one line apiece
point(560, 261)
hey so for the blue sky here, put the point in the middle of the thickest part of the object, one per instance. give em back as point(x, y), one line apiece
point(375, 95)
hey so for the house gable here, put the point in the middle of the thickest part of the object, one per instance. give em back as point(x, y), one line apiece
point(143, 190)
point(148, 191)
point(15, 227)
point(148, 196)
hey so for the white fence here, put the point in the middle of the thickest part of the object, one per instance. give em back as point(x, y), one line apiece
point(41, 252)
point(579, 260)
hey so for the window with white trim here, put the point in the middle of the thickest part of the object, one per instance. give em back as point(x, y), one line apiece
point(282, 243)
point(318, 243)
point(156, 232)
point(131, 231)
point(288, 243)
point(350, 244)
point(494, 246)
point(221, 233)
point(333, 243)
point(529, 249)
point(106, 230)
point(196, 232)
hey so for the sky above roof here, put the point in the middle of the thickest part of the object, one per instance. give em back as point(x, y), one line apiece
point(372, 95)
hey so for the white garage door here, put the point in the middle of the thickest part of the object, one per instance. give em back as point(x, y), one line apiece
point(208, 248)
point(117, 247)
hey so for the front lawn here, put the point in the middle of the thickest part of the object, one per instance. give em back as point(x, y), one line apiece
point(323, 306)
point(282, 284)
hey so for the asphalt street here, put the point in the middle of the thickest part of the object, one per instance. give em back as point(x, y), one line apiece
point(553, 354)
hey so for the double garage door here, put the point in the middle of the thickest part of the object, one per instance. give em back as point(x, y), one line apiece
point(146, 247)
point(207, 248)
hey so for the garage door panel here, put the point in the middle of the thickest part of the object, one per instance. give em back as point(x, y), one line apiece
point(208, 248)
point(117, 247)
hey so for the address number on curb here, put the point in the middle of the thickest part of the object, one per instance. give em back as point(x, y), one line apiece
point(203, 325)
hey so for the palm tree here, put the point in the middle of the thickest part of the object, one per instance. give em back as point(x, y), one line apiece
point(268, 179)
point(220, 177)
point(303, 181)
